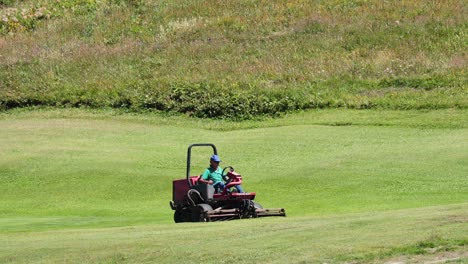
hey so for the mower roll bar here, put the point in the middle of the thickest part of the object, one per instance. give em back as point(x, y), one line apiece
point(189, 155)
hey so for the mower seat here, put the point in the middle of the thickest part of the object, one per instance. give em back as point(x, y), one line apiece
point(205, 190)
point(195, 180)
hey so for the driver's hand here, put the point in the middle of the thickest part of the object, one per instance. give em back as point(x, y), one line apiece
point(210, 182)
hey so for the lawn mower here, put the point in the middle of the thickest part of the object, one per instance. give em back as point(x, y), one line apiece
point(193, 201)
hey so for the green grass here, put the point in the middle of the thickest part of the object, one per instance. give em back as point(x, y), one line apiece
point(110, 168)
point(235, 60)
point(422, 234)
point(93, 186)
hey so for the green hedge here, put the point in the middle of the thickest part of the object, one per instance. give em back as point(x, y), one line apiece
point(239, 101)
point(205, 100)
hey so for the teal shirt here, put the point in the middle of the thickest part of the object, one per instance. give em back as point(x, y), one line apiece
point(212, 174)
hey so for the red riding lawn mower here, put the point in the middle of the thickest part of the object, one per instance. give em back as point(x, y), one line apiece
point(193, 201)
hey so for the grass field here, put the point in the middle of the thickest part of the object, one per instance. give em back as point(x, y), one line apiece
point(350, 114)
point(358, 186)
point(417, 235)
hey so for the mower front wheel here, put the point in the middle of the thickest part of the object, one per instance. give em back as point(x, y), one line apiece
point(182, 215)
point(200, 213)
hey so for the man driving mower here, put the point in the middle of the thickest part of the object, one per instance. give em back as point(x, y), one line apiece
point(214, 175)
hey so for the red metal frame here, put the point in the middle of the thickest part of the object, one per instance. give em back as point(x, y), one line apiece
point(180, 188)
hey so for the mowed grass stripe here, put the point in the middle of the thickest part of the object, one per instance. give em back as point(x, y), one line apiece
point(364, 237)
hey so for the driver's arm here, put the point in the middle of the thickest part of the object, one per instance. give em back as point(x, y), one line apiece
point(205, 178)
point(206, 181)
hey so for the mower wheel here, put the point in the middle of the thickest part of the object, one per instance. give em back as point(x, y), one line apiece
point(247, 208)
point(182, 215)
point(200, 213)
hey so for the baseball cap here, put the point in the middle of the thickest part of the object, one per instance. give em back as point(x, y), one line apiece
point(215, 158)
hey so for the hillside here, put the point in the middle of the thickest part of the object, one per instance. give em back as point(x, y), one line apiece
point(233, 59)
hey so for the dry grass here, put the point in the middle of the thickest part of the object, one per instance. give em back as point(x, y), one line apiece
point(269, 45)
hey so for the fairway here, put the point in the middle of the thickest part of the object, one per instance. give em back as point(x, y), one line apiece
point(430, 232)
point(74, 181)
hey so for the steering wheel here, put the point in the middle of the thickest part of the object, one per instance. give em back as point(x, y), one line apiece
point(231, 169)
